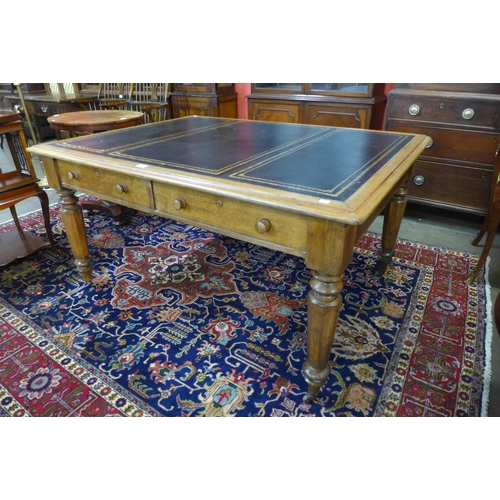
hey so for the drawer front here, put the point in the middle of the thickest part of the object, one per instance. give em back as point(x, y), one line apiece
point(336, 116)
point(461, 187)
point(283, 112)
point(121, 188)
point(453, 112)
point(42, 108)
point(260, 222)
point(459, 145)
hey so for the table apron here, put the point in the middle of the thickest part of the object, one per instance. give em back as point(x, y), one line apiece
point(272, 227)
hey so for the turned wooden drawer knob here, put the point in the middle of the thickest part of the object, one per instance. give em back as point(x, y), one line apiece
point(121, 188)
point(180, 203)
point(72, 175)
point(263, 226)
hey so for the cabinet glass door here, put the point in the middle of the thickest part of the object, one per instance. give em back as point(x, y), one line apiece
point(341, 88)
point(278, 87)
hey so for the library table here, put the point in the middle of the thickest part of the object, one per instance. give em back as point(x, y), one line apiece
point(305, 190)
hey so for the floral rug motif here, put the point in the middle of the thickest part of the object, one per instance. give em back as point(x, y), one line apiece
point(180, 321)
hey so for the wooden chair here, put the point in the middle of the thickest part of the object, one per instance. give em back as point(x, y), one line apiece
point(492, 220)
point(114, 96)
point(152, 100)
point(18, 185)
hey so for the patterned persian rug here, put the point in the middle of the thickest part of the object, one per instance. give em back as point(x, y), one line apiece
point(180, 321)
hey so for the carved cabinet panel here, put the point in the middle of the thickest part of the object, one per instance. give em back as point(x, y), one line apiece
point(331, 104)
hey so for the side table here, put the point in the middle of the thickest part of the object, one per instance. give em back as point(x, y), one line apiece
point(90, 122)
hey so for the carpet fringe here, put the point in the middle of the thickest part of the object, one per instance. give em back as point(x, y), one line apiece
point(487, 342)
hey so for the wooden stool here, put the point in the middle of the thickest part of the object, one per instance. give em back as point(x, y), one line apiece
point(16, 186)
point(90, 122)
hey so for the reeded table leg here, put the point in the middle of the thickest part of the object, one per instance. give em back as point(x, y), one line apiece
point(323, 313)
point(72, 217)
point(392, 222)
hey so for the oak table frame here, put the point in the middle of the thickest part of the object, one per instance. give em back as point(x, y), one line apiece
point(304, 190)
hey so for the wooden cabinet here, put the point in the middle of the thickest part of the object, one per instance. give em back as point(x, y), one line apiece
point(354, 105)
point(204, 99)
point(42, 105)
point(463, 121)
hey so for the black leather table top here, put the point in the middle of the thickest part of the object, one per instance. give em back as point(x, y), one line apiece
point(318, 161)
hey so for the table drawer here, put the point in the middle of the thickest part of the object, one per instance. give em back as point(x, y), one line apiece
point(260, 222)
point(461, 145)
point(453, 112)
point(462, 187)
point(119, 187)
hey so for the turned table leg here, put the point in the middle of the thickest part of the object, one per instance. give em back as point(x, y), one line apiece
point(323, 313)
point(393, 217)
point(72, 217)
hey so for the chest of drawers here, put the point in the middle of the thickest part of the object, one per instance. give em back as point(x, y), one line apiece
point(463, 120)
point(41, 106)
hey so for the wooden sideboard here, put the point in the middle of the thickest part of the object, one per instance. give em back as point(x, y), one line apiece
point(463, 121)
point(42, 105)
point(204, 99)
point(353, 105)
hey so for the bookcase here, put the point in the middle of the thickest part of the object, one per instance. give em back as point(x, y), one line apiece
point(204, 99)
point(354, 105)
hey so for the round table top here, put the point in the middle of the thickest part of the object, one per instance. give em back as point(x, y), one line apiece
point(95, 121)
point(7, 116)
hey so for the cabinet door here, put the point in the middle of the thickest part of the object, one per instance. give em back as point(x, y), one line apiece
point(188, 106)
point(335, 115)
point(272, 111)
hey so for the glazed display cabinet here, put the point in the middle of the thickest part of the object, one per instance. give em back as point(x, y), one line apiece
point(353, 105)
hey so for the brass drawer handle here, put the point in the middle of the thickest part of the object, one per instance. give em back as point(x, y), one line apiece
point(121, 188)
point(180, 203)
point(44, 109)
point(468, 113)
point(414, 109)
point(72, 176)
point(419, 180)
point(263, 226)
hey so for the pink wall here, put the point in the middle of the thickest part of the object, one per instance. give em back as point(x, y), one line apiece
point(243, 90)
